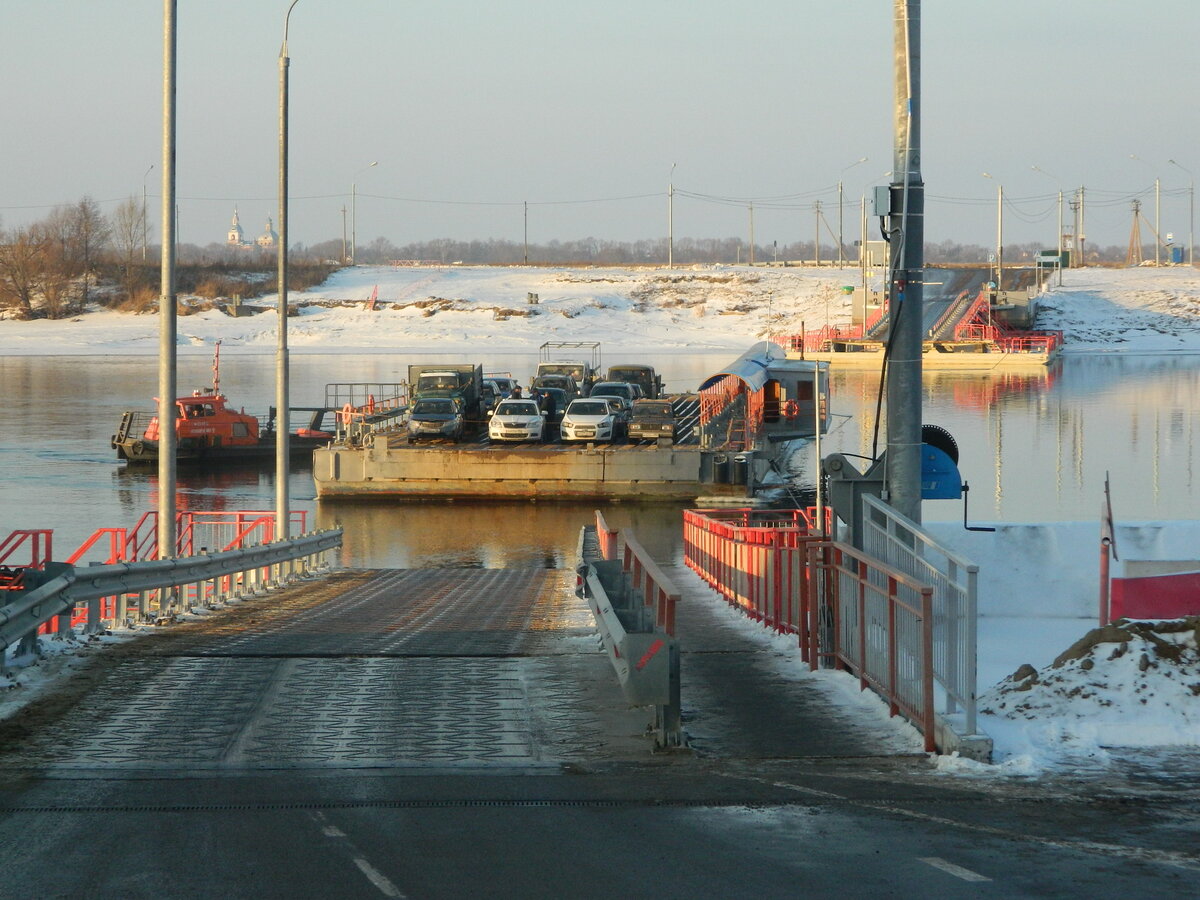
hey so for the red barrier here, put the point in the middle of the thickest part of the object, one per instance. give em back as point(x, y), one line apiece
point(1156, 596)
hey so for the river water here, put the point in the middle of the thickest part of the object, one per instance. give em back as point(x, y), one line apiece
point(1034, 447)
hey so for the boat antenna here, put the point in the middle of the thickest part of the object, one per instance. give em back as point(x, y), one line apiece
point(217, 369)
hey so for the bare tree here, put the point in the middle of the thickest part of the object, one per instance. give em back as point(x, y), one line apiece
point(22, 256)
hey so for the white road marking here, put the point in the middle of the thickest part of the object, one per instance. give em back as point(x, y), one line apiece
point(950, 868)
point(378, 879)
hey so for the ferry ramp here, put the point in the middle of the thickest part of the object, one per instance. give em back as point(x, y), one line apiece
point(408, 669)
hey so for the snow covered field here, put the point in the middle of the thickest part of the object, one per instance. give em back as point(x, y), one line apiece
point(1068, 714)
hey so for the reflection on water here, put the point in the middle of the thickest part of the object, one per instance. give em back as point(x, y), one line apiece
point(1035, 447)
point(487, 535)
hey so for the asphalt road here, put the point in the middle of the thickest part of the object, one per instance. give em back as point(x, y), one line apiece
point(450, 733)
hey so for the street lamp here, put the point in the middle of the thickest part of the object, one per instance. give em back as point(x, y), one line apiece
point(282, 424)
point(354, 212)
point(1060, 219)
point(144, 177)
point(671, 218)
point(999, 232)
point(1191, 209)
point(842, 243)
point(1157, 198)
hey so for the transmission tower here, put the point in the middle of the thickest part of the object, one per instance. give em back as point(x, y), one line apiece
point(1134, 256)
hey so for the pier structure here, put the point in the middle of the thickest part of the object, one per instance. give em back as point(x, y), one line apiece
point(732, 435)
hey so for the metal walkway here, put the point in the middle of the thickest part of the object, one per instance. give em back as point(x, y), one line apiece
point(430, 667)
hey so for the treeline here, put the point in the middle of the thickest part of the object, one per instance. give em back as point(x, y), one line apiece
point(77, 256)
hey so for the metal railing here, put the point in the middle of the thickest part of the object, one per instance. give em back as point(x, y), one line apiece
point(633, 603)
point(904, 545)
point(845, 608)
point(880, 627)
point(228, 574)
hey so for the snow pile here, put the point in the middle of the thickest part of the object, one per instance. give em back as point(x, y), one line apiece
point(1140, 309)
point(512, 309)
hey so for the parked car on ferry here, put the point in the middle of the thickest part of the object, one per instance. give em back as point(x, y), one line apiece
point(504, 383)
point(626, 390)
point(589, 419)
point(436, 417)
point(651, 420)
point(490, 395)
point(517, 420)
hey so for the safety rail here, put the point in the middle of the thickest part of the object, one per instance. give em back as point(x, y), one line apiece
point(60, 587)
point(902, 543)
point(881, 629)
point(796, 581)
point(756, 559)
point(196, 532)
point(633, 603)
point(38, 542)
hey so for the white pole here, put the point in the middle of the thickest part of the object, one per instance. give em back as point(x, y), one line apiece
point(671, 218)
point(282, 402)
point(167, 389)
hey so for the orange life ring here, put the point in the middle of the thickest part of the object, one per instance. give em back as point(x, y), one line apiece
point(371, 403)
point(347, 414)
point(791, 409)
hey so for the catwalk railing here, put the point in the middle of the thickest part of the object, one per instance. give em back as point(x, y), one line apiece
point(847, 610)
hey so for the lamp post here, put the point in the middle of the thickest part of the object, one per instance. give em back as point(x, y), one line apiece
point(671, 218)
point(354, 210)
point(999, 233)
point(842, 243)
point(282, 425)
point(1191, 209)
point(1059, 244)
point(144, 177)
point(167, 381)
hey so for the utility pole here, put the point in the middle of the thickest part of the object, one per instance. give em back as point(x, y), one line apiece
point(907, 225)
point(167, 381)
point(841, 251)
point(671, 218)
point(817, 232)
point(344, 257)
point(751, 234)
point(282, 401)
point(526, 232)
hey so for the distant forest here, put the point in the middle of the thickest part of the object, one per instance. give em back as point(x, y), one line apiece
point(77, 255)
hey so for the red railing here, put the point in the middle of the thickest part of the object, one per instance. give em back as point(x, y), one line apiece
point(196, 532)
point(778, 570)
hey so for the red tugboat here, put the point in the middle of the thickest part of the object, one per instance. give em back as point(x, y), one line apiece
point(209, 431)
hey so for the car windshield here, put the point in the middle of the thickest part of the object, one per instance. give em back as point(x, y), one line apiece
point(523, 408)
point(652, 408)
point(425, 407)
point(587, 408)
point(611, 390)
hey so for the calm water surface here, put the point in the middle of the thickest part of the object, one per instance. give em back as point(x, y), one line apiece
point(1034, 447)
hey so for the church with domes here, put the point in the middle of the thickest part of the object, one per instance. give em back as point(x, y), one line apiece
point(236, 238)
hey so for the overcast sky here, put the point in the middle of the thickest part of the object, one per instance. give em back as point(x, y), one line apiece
point(471, 109)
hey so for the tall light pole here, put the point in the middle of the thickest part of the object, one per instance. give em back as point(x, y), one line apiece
point(671, 218)
point(1191, 209)
point(167, 388)
point(841, 242)
point(999, 233)
point(282, 423)
point(1059, 244)
point(144, 177)
point(354, 208)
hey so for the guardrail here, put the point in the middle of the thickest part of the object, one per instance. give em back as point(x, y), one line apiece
point(230, 573)
point(633, 604)
point(847, 609)
point(904, 545)
point(880, 627)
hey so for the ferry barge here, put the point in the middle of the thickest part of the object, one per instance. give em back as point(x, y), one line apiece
point(732, 437)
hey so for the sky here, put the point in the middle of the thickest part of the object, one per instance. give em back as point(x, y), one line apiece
point(588, 113)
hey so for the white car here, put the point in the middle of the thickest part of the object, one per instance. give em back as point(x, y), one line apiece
point(589, 420)
point(517, 420)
